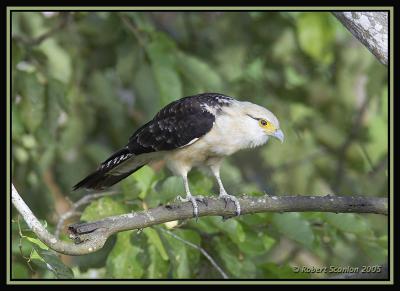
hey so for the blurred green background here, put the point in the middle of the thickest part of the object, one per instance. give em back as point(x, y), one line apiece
point(82, 82)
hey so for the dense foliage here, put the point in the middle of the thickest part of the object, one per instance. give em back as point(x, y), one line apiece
point(82, 82)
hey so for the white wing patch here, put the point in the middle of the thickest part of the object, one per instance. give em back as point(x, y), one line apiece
point(190, 142)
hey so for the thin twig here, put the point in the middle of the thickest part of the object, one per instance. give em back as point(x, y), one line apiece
point(133, 29)
point(203, 251)
point(38, 40)
point(74, 207)
point(21, 236)
point(90, 237)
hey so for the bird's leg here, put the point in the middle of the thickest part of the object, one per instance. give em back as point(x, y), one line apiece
point(222, 191)
point(191, 198)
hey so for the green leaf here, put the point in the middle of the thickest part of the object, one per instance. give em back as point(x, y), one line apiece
point(56, 104)
point(168, 81)
point(255, 69)
point(49, 260)
point(101, 208)
point(171, 187)
point(18, 52)
point(59, 62)
point(184, 257)
point(104, 97)
point(199, 73)
point(378, 129)
point(123, 261)
point(158, 267)
point(37, 242)
point(238, 266)
point(232, 228)
point(153, 238)
point(300, 111)
point(72, 135)
point(144, 178)
point(295, 227)
point(376, 253)
point(200, 183)
point(19, 271)
point(231, 61)
point(96, 151)
point(127, 62)
point(148, 94)
point(17, 128)
point(316, 35)
point(256, 243)
point(21, 154)
point(130, 188)
point(161, 52)
point(294, 78)
point(348, 222)
point(329, 135)
point(205, 224)
point(32, 102)
point(28, 141)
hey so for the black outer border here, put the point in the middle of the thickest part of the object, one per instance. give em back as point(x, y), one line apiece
point(161, 3)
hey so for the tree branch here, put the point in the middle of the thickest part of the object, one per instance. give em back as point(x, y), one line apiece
point(370, 28)
point(74, 208)
point(90, 237)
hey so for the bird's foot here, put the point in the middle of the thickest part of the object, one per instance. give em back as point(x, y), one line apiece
point(228, 197)
point(193, 200)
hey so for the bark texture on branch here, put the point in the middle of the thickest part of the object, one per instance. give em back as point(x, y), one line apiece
point(370, 28)
point(91, 236)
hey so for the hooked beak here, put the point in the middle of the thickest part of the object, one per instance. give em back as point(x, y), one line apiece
point(279, 135)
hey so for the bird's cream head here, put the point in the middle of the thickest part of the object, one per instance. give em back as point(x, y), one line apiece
point(262, 121)
point(244, 125)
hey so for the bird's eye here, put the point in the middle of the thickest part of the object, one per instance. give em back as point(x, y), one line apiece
point(263, 123)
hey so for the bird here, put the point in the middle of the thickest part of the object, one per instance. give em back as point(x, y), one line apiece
point(194, 131)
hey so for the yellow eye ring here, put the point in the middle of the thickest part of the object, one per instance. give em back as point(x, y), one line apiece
point(263, 123)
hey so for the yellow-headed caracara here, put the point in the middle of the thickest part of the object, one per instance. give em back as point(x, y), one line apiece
point(192, 131)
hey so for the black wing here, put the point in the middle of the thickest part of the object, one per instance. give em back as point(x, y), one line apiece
point(178, 123)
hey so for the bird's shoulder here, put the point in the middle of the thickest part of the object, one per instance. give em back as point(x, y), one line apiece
point(193, 104)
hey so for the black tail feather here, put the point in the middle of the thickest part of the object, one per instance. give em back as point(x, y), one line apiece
point(99, 180)
point(102, 178)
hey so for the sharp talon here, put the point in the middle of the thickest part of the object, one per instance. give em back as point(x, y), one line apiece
point(202, 200)
point(205, 201)
point(227, 197)
point(193, 200)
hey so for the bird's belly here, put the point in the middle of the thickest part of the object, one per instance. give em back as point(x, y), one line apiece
point(199, 153)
